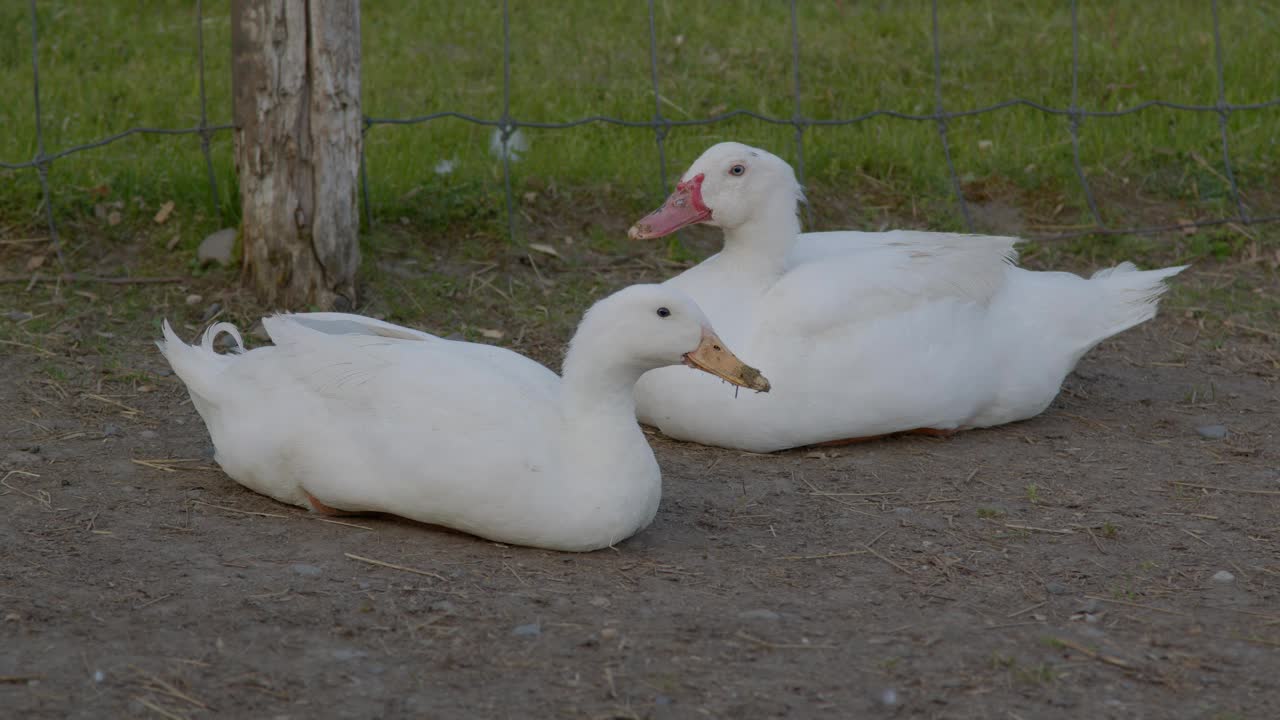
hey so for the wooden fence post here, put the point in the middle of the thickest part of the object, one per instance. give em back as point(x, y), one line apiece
point(296, 87)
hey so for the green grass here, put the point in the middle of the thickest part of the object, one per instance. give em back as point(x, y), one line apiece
point(112, 65)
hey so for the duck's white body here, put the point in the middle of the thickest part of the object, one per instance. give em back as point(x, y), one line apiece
point(365, 416)
point(884, 332)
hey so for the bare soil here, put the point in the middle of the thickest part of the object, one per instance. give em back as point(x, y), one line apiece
point(1104, 560)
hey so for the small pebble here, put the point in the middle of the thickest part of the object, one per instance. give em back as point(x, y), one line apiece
point(889, 697)
point(1056, 588)
point(18, 315)
point(210, 312)
point(1212, 432)
point(661, 700)
point(194, 299)
point(608, 633)
point(99, 676)
point(305, 570)
point(444, 606)
point(148, 435)
point(758, 614)
point(1223, 576)
point(110, 430)
point(599, 601)
point(528, 630)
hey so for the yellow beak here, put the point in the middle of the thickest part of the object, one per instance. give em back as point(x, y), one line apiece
point(713, 357)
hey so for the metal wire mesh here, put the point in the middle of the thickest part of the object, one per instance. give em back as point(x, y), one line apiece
point(662, 126)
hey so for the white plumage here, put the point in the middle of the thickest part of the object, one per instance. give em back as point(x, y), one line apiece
point(360, 415)
point(862, 333)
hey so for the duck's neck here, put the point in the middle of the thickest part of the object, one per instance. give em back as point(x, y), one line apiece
point(610, 471)
point(763, 242)
point(595, 390)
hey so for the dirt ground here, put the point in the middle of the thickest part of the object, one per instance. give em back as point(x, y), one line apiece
point(1104, 560)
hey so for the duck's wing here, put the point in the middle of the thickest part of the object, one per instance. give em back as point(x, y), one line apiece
point(333, 323)
point(386, 367)
point(878, 280)
point(827, 245)
point(371, 422)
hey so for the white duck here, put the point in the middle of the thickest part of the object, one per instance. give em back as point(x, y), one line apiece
point(868, 334)
point(349, 414)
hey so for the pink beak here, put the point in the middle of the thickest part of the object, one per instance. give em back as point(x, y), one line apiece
point(683, 208)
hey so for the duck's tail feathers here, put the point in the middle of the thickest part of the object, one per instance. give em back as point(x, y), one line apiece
point(199, 365)
point(1128, 296)
point(1124, 267)
point(217, 329)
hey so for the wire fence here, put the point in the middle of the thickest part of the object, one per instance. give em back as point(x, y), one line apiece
point(661, 126)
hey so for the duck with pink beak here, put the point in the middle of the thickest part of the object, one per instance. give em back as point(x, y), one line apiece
point(868, 334)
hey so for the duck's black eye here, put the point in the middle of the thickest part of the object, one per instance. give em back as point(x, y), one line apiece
point(738, 169)
point(663, 312)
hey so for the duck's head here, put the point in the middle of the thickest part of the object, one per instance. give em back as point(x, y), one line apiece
point(727, 187)
point(653, 326)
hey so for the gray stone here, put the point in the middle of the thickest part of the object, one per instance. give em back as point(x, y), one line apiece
point(888, 697)
point(758, 614)
point(110, 430)
point(18, 315)
point(209, 313)
point(444, 607)
point(148, 435)
point(305, 570)
point(528, 630)
point(1054, 587)
point(218, 247)
point(1222, 576)
point(1212, 432)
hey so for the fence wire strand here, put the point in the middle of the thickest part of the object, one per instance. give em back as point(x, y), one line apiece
point(660, 126)
point(1074, 119)
point(41, 161)
point(506, 126)
point(797, 117)
point(1224, 116)
point(205, 133)
point(942, 118)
